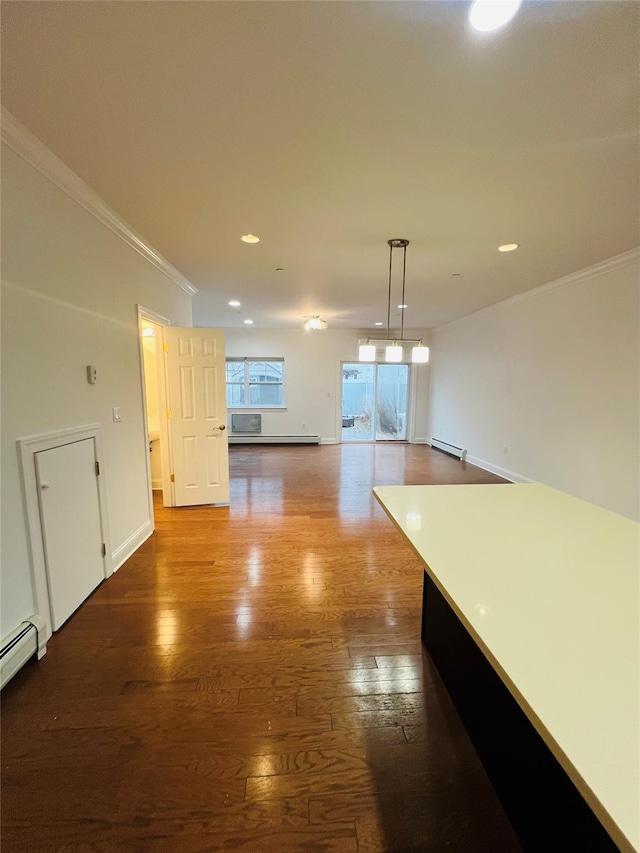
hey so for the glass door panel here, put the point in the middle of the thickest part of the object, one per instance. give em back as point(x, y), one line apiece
point(358, 396)
point(391, 402)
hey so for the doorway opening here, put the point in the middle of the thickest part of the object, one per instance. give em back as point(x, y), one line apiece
point(375, 402)
point(151, 333)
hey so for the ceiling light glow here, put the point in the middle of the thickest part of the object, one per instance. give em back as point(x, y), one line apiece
point(315, 323)
point(234, 303)
point(508, 247)
point(488, 15)
point(379, 323)
point(250, 238)
point(248, 322)
point(403, 306)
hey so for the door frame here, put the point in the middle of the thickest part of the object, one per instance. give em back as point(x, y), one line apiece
point(27, 448)
point(165, 439)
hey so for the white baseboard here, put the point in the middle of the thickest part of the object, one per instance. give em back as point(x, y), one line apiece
point(28, 639)
point(156, 485)
point(329, 441)
point(420, 441)
point(131, 545)
point(513, 476)
point(306, 438)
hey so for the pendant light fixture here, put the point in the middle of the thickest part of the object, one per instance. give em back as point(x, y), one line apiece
point(394, 352)
point(367, 352)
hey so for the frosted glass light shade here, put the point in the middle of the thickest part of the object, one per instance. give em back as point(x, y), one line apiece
point(393, 353)
point(420, 354)
point(367, 352)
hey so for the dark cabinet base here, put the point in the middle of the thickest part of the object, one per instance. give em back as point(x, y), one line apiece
point(545, 808)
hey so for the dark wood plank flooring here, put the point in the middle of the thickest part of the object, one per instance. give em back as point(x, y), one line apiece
point(252, 679)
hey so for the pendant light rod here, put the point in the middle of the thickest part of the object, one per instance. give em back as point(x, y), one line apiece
point(397, 243)
point(404, 275)
point(389, 294)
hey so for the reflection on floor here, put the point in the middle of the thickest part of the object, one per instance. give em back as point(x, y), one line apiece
point(252, 679)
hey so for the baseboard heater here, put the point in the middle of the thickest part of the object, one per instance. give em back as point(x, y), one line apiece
point(451, 449)
point(28, 639)
point(274, 439)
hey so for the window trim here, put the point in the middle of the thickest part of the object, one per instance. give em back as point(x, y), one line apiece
point(246, 383)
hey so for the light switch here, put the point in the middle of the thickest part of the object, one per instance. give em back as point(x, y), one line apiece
point(92, 374)
point(116, 414)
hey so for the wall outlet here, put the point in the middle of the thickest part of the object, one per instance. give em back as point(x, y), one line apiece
point(505, 450)
point(304, 426)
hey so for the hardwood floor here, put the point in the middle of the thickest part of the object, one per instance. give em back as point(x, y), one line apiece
point(252, 679)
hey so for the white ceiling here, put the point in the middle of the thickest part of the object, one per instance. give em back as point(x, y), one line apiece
point(327, 128)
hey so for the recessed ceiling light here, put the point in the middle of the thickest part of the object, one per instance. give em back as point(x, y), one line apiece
point(508, 247)
point(234, 303)
point(488, 15)
point(403, 306)
point(248, 322)
point(379, 324)
point(250, 238)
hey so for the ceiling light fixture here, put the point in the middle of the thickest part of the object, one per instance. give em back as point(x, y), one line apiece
point(394, 352)
point(488, 15)
point(250, 238)
point(234, 303)
point(248, 322)
point(315, 323)
point(508, 247)
point(379, 323)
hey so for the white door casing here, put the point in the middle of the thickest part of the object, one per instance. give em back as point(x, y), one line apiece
point(71, 526)
point(197, 415)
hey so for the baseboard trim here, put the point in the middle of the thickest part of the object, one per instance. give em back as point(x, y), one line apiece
point(131, 545)
point(329, 441)
point(497, 469)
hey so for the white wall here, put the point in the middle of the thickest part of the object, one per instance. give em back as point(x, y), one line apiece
point(312, 377)
point(554, 377)
point(69, 294)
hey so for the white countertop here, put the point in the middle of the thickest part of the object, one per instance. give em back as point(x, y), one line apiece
point(548, 586)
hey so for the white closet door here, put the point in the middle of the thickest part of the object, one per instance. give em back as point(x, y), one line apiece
point(70, 514)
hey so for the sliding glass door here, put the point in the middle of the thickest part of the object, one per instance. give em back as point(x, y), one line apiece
point(392, 395)
point(374, 402)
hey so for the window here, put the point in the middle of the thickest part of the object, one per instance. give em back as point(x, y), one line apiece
point(255, 383)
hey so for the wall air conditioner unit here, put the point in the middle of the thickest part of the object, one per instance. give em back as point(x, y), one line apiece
point(451, 449)
point(246, 423)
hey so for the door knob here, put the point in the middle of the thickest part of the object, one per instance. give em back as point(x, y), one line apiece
point(222, 428)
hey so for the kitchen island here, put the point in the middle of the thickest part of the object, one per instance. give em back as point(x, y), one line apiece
point(530, 614)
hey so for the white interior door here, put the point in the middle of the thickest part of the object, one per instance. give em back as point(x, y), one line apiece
point(198, 420)
point(72, 533)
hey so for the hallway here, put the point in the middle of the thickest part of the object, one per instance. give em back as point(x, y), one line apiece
point(252, 679)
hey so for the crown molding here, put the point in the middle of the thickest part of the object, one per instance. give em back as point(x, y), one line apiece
point(29, 148)
point(616, 262)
